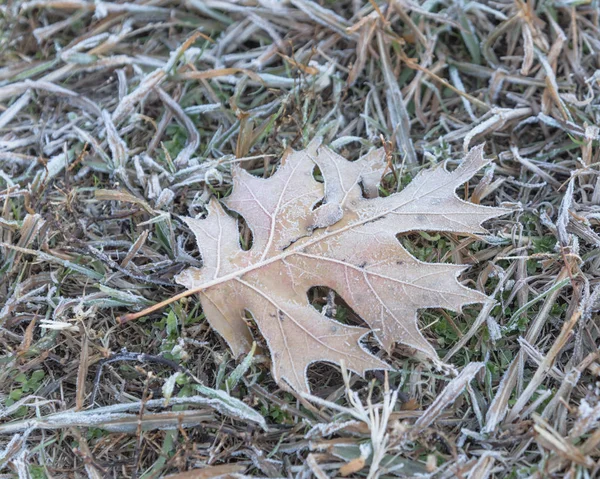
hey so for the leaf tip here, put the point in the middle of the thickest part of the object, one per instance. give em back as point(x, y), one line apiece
point(314, 145)
point(474, 160)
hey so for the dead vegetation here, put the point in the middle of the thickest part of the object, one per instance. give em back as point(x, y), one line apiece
point(119, 118)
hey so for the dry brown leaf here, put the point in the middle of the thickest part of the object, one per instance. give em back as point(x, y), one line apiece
point(347, 243)
point(352, 466)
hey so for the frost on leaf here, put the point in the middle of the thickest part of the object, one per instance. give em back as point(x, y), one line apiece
point(348, 243)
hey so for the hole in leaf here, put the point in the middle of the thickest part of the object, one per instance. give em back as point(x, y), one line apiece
point(246, 237)
point(254, 330)
point(317, 175)
point(391, 183)
point(324, 378)
point(362, 189)
point(430, 247)
point(329, 302)
point(317, 204)
point(443, 328)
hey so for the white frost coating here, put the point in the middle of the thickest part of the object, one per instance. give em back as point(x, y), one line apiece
point(114, 417)
point(449, 394)
point(344, 140)
point(588, 419)
point(129, 102)
point(564, 215)
point(322, 429)
point(493, 328)
point(585, 409)
point(14, 109)
point(169, 386)
point(54, 167)
point(118, 147)
point(165, 198)
point(14, 441)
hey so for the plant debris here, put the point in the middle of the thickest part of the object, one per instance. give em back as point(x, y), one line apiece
point(120, 119)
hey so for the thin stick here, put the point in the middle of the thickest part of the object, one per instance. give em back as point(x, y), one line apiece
point(132, 316)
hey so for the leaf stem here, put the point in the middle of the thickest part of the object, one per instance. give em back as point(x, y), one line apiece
point(144, 312)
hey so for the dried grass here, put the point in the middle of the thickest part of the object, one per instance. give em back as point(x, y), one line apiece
point(117, 117)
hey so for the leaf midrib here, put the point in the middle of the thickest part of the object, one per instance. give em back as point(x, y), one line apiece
point(298, 249)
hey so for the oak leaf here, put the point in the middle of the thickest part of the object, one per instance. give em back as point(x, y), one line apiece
point(339, 234)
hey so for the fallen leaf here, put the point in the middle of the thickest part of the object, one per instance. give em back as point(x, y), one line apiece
point(307, 234)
